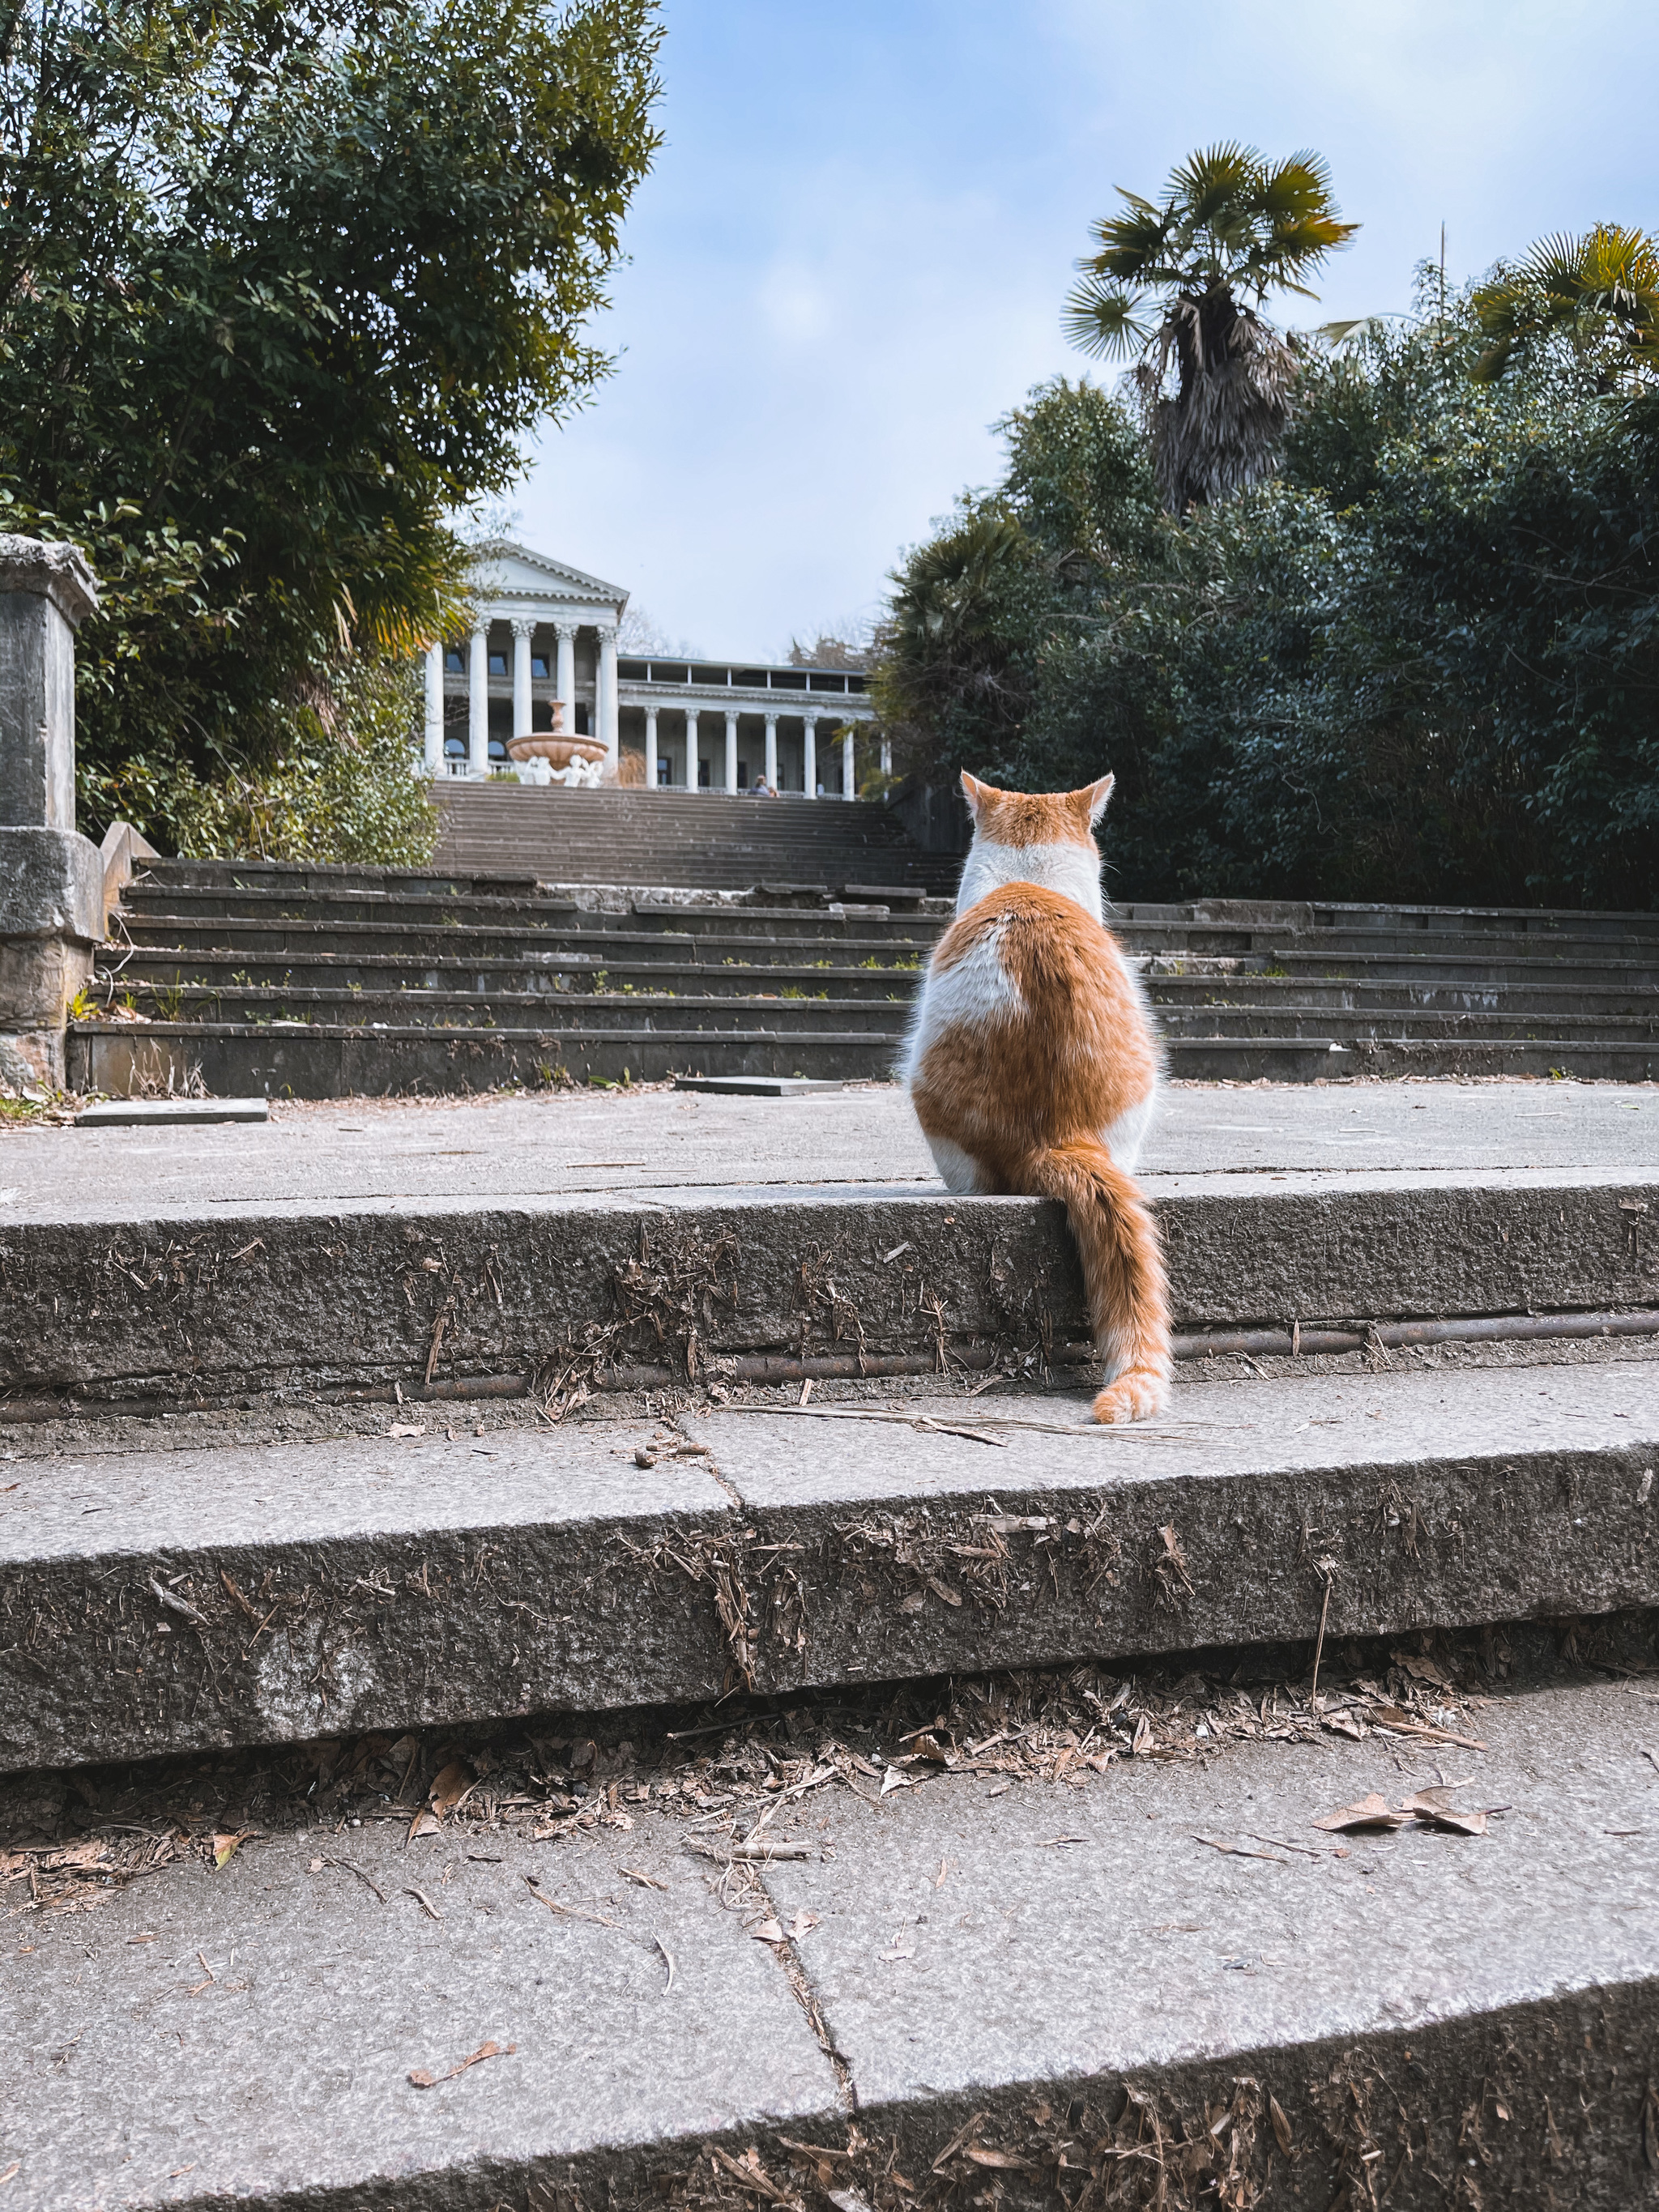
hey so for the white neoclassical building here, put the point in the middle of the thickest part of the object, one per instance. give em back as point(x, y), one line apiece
point(546, 632)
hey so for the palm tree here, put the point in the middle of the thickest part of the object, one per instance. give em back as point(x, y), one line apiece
point(1230, 229)
point(1601, 290)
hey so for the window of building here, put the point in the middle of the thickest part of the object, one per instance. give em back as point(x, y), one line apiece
point(743, 775)
point(539, 667)
point(498, 664)
point(455, 661)
point(581, 719)
point(498, 750)
point(664, 771)
point(634, 672)
point(455, 748)
point(703, 775)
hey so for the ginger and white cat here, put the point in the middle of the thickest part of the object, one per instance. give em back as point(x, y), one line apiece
point(1033, 1065)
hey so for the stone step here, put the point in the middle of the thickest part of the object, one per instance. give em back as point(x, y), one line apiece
point(565, 969)
point(1357, 993)
point(107, 1296)
point(315, 1060)
point(1164, 1971)
point(318, 1060)
point(522, 991)
point(715, 933)
point(1623, 966)
point(1291, 915)
point(1240, 1018)
point(417, 1582)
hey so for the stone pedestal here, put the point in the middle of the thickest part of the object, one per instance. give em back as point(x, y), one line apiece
point(51, 881)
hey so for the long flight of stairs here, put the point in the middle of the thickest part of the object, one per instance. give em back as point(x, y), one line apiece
point(323, 982)
point(703, 841)
point(461, 1746)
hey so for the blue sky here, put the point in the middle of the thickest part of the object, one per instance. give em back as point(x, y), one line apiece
point(851, 256)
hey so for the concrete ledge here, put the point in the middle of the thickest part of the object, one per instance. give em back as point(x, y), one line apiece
point(313, 1296)
point(172, 1601)
point(1038, 1989)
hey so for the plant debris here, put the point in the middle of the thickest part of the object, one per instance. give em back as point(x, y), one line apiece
point(422, 2080)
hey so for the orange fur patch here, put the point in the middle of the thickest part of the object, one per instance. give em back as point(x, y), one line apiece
point(1025, 817)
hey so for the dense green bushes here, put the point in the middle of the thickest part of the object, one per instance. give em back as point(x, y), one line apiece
point(1422, 662)
point(284, 284)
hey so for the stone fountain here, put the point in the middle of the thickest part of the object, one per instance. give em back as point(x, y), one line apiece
point(551, 757)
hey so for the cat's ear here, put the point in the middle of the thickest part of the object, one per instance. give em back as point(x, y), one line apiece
point(1093, 797)
point(974, 792)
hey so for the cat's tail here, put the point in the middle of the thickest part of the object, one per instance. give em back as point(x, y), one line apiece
point(1123, 1270)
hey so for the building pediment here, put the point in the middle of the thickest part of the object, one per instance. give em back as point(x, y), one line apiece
point(506, 570)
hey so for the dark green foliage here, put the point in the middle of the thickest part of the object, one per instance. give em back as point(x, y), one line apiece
point(281, 285)
point(1013, 573)
point(1422, 663)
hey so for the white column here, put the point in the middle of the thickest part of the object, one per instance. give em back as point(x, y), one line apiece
point(731, 750)
point(434, 708)
point(523, 720)
point(692, 747)
point(566, 674)
point(772, 751)
point(605, 690)
point(809, 756)
point(848, 788)
point(477, 704)
point(887, 756)
point(650, 748)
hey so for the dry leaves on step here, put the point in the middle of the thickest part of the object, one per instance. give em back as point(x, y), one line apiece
point(1371, 1811)
point(1435, 1810)
point(404, 1429)
point(422, 2080)
point(1432, 1808)
point(224, 1847)
point(450, 1788)
point(1238, 1852)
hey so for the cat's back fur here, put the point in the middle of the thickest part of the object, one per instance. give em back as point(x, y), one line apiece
point(1033, 1065)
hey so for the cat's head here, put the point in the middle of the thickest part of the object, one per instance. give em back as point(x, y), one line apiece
point(1046, 818)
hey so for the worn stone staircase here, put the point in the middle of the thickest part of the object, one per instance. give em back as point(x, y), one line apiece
point(320, 982)
point(703, 841)
point(475, 1731)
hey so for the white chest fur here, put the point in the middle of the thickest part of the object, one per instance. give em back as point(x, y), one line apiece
point(1065, 867)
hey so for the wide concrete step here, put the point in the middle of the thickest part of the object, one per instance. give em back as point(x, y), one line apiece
point(574, 954)
point(1164, 1971)
point(513, 991)
point(1356, 994)
point(1622, 966)
point(104, 1298)
point(716, 932)
point(675, 1001)
point(413, 1581)
point(147, 905)
point(1242, 1018)
point(317, 1060)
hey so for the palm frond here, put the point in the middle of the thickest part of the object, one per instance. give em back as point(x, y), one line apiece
point(1104, 320)
point(1208, 182)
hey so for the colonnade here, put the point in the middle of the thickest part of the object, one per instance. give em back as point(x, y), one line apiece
point(694, 715)
point(478, 674)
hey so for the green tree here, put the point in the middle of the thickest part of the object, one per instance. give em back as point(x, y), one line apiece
point(979, 610)
point(281, 284)
point(1230, 229)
